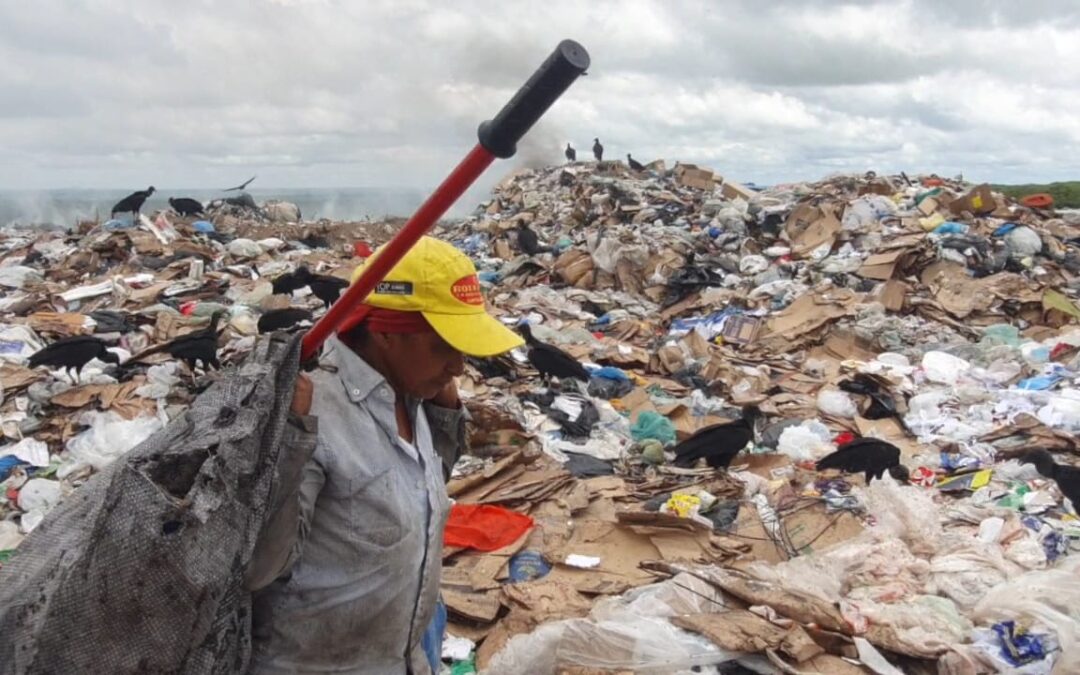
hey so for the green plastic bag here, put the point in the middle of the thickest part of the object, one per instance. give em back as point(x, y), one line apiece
point(653, 425)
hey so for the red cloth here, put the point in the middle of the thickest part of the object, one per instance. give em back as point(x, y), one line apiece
point(484, 527)
point(380, 320)
point(844, 438)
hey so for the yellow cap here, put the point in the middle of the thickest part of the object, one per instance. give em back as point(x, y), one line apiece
point(440, 282)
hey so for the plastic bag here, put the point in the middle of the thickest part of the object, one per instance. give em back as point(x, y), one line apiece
point(108, 437)
point(626, 633)
point(244, 248)
point(836, 403)
point(944, 368)
point(1049, 598)
point(484, 527)
point(655, 426)
point(808, 441)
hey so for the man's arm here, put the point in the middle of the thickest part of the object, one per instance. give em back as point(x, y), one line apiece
point(300, 479)
point(447, 418)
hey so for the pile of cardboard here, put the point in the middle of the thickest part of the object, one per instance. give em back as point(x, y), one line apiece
point(689, 296)
point(794, 290)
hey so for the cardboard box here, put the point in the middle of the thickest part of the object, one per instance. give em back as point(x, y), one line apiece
point(691, 176)
point(979, 201)
point(882, 266)
point(732, 190)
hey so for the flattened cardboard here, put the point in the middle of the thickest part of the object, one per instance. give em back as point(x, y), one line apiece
point(979, 201)
point(892, 295)
point(882, 266)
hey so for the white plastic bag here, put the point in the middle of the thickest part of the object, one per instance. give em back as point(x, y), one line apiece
point(836, 403)
point(108, 437)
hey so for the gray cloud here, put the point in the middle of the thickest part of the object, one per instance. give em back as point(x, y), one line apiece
point(117, 93)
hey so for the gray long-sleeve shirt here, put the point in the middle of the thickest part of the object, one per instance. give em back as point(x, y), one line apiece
point(358, 558)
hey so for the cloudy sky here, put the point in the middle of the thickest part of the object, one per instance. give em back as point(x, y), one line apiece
point(310, 93)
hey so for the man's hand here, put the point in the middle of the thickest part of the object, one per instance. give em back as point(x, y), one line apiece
point(448, 397)
point(301, 400)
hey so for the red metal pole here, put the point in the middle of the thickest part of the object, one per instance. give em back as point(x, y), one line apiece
point(451, 189)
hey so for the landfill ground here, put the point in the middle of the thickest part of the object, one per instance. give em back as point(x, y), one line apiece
point(927, 326)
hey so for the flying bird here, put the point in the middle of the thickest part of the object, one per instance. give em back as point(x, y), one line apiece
point(634, 164)
point(1066, 477)
point(282, 319)
point(871, 457)
point(718, 443)
point(72, 354)
point(186, 206)
point(551, 361)
point(241, 186)
point(132, 203)
point(571, 154)
point(528, 241)
point(597, 150)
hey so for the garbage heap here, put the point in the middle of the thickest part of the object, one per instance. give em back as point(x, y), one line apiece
point(935, 316)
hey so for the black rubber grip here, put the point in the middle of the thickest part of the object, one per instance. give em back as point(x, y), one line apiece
point(500, 136)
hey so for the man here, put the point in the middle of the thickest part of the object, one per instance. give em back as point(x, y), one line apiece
point(355, 559)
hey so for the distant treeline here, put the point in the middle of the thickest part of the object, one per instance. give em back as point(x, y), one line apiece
point(1066, 195)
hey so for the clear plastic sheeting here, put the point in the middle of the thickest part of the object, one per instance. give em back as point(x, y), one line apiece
point(109, 437)
point(1048, 600)
point(630, 632)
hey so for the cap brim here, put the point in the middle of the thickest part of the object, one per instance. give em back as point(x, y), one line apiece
point(474, 334)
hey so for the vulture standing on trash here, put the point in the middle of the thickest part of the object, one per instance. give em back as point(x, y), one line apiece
point(281, 319)
point(198, 346)
point(1066, 477)
point(718, 443)
point(551, 361)
point(597, 150)
point(871, 457)
point(634, 164)
point(186, 206)
point(72, 354)
point(132, 203)
point(326, 288)
point(571, 154)
point(528, 241)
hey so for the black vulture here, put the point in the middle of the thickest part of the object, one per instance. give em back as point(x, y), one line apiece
point(291, 281)
point(132, 203)
point(597, 150)
point(72, 354)
point(280, 319)
point(551, 361)
point(186, 206)
point(528, 242)
point(1066, 477)
point(199, 346)
point(718, 443)
point(312, 240)
point(634, 164)
point(871, 457)
point(241, 186)
point(326, 288)
point(243, 200)
point(571, 154)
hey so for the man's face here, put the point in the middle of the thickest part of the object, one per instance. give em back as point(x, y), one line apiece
point(422, 363)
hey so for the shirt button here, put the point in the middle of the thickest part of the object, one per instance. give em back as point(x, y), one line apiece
point(355, 392)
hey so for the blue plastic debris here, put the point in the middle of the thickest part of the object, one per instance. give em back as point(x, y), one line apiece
point(1005, 229)
point(528, 566)
point(8, 464)
point(609, 373)
point(118, 224)
point(950, 227)
point(1017, 645)
point(1056, 373)
point(488, 277)
point(204, 226)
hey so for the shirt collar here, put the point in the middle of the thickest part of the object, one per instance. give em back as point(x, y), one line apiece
point(358, 377)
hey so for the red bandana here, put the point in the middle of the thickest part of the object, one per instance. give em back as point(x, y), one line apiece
point(380, 320)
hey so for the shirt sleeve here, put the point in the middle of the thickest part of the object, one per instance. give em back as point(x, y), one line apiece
point(301, 478)
point(447, 433)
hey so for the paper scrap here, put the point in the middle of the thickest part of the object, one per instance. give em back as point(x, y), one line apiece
point(585, 562)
